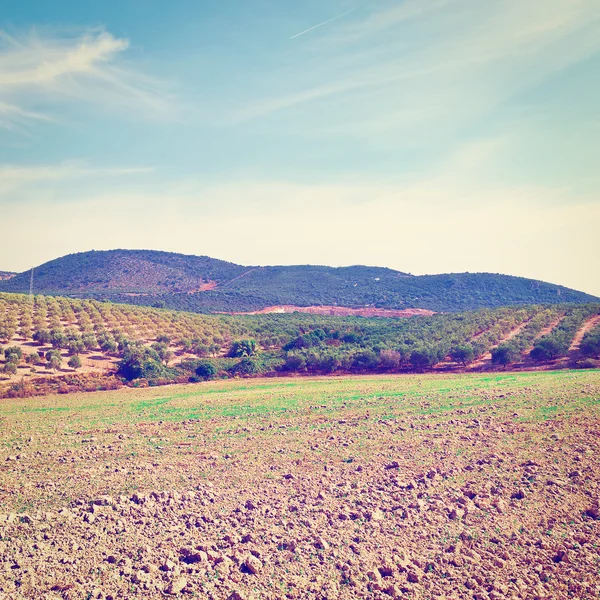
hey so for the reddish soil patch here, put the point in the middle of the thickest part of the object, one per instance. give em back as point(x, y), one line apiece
point(342, 311)
point(205, 286)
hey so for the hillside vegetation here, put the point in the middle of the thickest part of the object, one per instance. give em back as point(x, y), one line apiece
point(206, 285)
point(48, 337)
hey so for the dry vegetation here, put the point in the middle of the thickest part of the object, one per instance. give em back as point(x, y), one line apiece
point(447, 486)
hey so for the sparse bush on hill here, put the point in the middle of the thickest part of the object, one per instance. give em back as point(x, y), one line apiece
point(54, 359)
point(33, 359)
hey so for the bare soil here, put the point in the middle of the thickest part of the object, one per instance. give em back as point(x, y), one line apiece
point(464, 487)
point(341, 311)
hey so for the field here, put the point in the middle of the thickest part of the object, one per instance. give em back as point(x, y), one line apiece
point(478, 486)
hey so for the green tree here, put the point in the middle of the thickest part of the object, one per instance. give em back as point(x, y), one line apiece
point(74, 362)
point(75, 346)
point(463, 354)
point(590, 345)
point(365, 361)
point(548, 348)
point(10, 368)
point(33, 359)
point(42, 336)
point(206, 370)
point(141, 362)
point(246, 367)
point(13, 353)
point(505, 354)
point(243, 348)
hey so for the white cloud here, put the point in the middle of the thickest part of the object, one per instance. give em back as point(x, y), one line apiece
point(38, 69)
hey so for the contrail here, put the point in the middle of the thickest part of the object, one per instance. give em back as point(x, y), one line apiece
point(323, 23)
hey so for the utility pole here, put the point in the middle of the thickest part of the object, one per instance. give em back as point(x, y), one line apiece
point(31, 282)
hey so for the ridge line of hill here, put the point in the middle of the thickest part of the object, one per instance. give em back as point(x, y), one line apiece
point(207, 285)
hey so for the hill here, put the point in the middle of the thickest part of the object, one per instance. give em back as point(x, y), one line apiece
point(6, 275)
point(207, 285)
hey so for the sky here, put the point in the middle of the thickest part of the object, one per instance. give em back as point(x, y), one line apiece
point(428, 136)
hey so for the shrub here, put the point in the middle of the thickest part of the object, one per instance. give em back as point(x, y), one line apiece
point(390, 359)
point(74, 362)
point(586, 363)
point(206, 370)
point(141, 362)
point(505, 354)
point(590, 345)
point(246, 367)
point(548, 348)
point(10, 368)
point(463, 354)
point(13, 354)
point(365, 360)
point(243, 348)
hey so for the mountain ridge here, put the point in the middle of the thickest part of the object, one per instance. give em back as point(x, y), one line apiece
point(205, 284)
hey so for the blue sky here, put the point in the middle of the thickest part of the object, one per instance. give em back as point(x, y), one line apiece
point(424, 135)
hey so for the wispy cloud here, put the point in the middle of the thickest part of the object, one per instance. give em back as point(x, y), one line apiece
point(324, 23)
point(443, 57)
point(12, 116)
point(39, 69)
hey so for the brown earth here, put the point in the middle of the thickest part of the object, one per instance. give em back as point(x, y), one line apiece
point(340, 311)
point(375, 488)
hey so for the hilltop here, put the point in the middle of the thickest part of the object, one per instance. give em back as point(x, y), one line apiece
point(208, 285)
point(6, 275)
